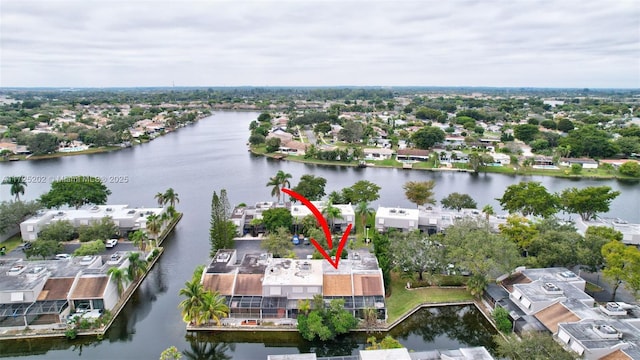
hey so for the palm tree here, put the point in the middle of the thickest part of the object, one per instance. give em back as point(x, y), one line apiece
point(275, 191)
point(331, 213)
point(171, 197)
point(118, 276)
point(137, 266)
point(154, 225)
point(138, 238)
point(279, 181)
point(363, 210)
point(194, 291)
point(488, 211)
point(159, 198)
point(213, 308)
point(18, 185)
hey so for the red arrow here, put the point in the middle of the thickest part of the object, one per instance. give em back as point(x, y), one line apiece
point(325, 228)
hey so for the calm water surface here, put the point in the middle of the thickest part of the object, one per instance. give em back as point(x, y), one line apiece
point(212, 155)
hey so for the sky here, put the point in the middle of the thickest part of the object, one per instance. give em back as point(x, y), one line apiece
point(498, 43)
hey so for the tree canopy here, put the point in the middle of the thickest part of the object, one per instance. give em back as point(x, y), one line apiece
point(428, 136)
point(326, 322)
point(221, 229)
point(278, 242)
point(529, 198)
point(76, 191)
point(458, 201)
point(420, 192)
point(587, 202)
point(277, 218)
point(417, 253)
point(311, 187)
point(362, 190)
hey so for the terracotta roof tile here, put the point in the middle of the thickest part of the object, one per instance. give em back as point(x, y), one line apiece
point(249, 284)
point(555, 314)
point(337, 285)
point(90, 287)
point(56, 289)
point(222, 283)
point(367, 285)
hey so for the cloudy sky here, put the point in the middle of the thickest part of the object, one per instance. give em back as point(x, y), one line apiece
point(523, 43)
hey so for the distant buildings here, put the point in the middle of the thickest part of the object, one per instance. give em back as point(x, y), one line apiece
point(427, 220)
point(127, 219)
point(243, 216)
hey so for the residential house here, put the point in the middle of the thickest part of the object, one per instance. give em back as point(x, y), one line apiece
point(281, 134)
point(41, 294)
point(125, 218)
point(347, 214)
point(584, 162)
point(412, 155)
point(378, 153)
point(261, 287)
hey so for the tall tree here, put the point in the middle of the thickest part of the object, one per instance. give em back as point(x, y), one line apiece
point(363, 210)
point(488, 211)
point(191, 306)
point(420, 192)
point(221, 230)
point(428, 136)
point(471, 245)
point(12, 213)
point(311, 187)
point(170, 197)
point(76, 191)
point(279, 181)
point(331, 213)
point(154, 226)
point(362, 190)
point(118, 276)
point(622, 264)
point(18, 185)
point(137, 266)
point(159, 198)
point(529, 198)
point(139, 238)
point(278, 242)
point(458, 202)
point(587, 202)
point(417, 253)
point(213, 308)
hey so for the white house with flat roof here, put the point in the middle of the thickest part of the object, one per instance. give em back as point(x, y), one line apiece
point(125, 218)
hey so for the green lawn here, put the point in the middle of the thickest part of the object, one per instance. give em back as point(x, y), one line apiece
point(403, 300)
point(12, 242)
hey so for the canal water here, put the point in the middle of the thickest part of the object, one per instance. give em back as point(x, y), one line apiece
point(211, 155)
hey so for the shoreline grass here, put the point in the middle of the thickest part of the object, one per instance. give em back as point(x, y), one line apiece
point(403, 300)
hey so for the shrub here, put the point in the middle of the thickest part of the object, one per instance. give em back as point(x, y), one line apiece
point(71, 333)
point(501, 317)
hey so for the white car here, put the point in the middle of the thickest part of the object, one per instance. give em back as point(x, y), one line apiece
point(111, 243)
point(63, 257)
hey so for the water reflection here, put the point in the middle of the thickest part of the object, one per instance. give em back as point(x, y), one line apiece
point(202, 349)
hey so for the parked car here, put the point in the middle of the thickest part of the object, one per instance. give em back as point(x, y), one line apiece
point(111, 243)
point(63, 257)
point(25, 246)
point(83, 308)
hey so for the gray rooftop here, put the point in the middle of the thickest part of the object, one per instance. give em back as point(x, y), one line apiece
point(590, 333)
point(540, 290)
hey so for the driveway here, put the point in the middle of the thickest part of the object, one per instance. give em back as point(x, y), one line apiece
point(605, 295)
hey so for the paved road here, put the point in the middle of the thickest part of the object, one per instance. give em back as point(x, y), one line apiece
point(605, 295)
point(311, 136)
point(69, 248)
